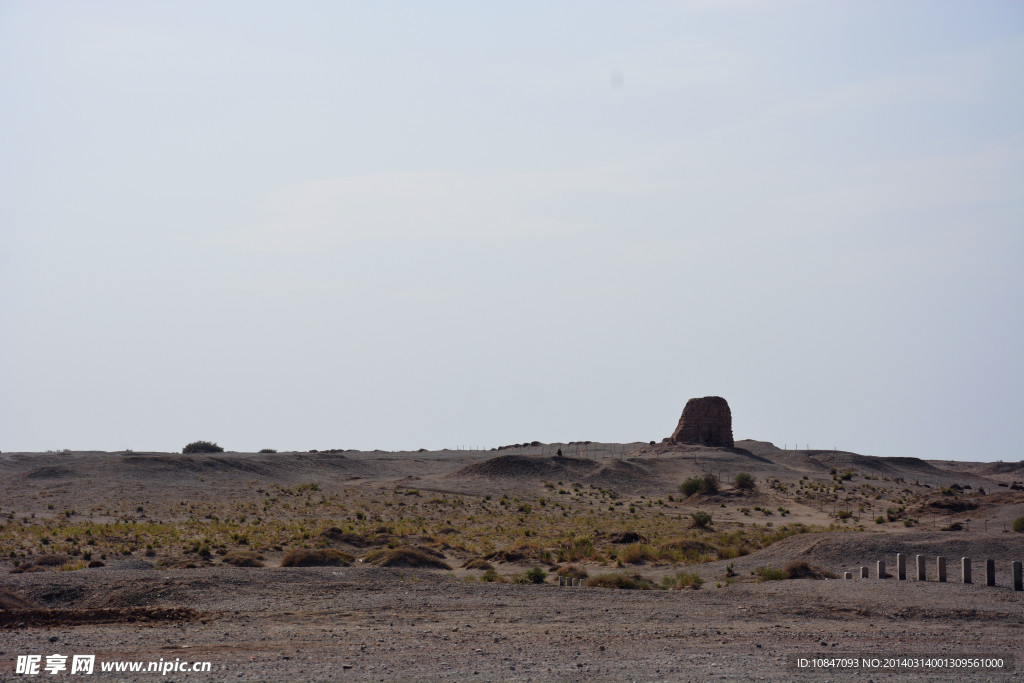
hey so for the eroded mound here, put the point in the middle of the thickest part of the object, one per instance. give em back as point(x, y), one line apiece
point(24, 618)
point(9, 600)
point(520, 466)
point(243, 558)
point(412, 557)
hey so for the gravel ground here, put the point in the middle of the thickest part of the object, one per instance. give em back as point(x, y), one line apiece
point(362, 623)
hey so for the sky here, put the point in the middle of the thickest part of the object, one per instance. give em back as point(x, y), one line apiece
point(405, 225)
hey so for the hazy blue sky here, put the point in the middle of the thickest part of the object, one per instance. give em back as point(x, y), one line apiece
point(422, 224)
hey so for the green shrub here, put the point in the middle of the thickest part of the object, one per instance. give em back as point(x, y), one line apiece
point(770, 574)
point(744, 482)
point(620, 580)
point(267, 450)
point(701, 520)
point(1018, 525)
point(638, 553)
point(535, 575)
point(202, 447)
point(492, 576)
point(705, 484)
point(681, 581)
point(582, 548)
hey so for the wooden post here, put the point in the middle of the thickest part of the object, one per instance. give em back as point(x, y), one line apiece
point(863, 572)
point(965, 564)
point(1015, 570)
point(901, 567)
point(847, 575)
point(881, 569)
point(990, 572)
point(920, 569)
point(940, 568)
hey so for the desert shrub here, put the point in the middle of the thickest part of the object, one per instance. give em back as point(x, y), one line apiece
point(638, 553)
point(681, 581)
point(202, 447)
point(844, 514)
point(492, 576)
point(478, 563)
point(620, 580)
point(701, 520)
point(327, 557)
point(689, 549)
point(534, 575)
point(626, 537)
point(340, 536)
point(705, 484)
point(1018, 525)
point(407, 556)
point(881, 519)
point(770, 574)
point(51, 560)
point(243, 558)
point(955, 526)
point(581, 548)
point(522, 552)
point(799, 569)
point(267, 450)
point(744, 482)
point(572, 571)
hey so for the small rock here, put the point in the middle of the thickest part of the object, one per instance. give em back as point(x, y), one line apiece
point(54, 639)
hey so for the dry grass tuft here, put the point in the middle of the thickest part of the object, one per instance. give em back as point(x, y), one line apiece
point(243, 558)
point(478, 563)
point(572, 571)
point(355, 540)
point(328, 557)
point(681, 581)
point(511, 554)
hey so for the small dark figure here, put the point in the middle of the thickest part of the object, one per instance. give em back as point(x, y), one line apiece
point(559, 452)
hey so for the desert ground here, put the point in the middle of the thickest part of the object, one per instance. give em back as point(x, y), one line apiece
point(446, 565)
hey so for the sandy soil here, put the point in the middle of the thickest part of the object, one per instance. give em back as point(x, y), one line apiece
point(368, 623)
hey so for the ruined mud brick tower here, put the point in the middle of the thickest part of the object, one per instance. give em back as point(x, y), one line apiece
point(706, 421)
